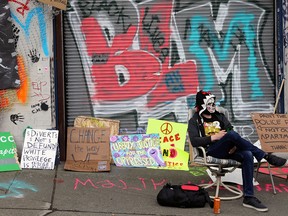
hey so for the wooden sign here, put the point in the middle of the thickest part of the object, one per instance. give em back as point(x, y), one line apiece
point(39, 149)
point(137, 150)
point(272, 131)
point(8, 153)
point(88, 149)
point(61, 4)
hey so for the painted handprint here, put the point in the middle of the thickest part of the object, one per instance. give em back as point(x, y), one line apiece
point(34, 55)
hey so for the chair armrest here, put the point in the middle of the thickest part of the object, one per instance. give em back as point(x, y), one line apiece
point(202, 149)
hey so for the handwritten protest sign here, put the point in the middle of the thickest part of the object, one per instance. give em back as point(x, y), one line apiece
point(175, 158)
point(93, 122)
point(39, 149)
point(137, 150)
point(61, 4)
point(272, 131)
point(8, 153)
point(170, 132)
point(88, 149)
point(173, 138)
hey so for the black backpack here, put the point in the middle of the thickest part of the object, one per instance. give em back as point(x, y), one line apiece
point(183, 196)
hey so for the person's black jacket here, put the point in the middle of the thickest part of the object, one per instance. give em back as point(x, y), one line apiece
point(196, 129)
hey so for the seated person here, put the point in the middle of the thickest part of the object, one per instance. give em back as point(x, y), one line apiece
point(212, 130)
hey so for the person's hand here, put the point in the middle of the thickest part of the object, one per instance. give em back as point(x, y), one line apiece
point(218, 135)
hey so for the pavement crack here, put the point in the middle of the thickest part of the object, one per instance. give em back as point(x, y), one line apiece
point(7, 189)
point(54, 188)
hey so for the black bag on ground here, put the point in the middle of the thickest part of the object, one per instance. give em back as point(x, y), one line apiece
point(183, 196)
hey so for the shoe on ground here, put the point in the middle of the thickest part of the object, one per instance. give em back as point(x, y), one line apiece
point(254, 203)
point(275, 160)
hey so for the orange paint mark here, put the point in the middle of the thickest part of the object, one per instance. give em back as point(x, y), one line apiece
point(4, 101)
point(22, 92)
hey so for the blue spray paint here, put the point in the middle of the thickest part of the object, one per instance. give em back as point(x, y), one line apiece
point(15, 188)
point(223, 49)
point(39, 13)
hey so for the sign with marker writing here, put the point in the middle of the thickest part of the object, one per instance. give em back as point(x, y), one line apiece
point(175, 158)
point(8, 153)
point(93, 122)
point(137, 150)
point(39, 149)
point(170, 132)
point(88, 149)
point(173, 138)
point(272, 131)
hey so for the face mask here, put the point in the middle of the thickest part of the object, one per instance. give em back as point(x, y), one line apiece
point(205, 103)
point(210, 106)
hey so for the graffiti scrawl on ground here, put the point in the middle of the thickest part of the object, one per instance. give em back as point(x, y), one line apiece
point(15, 189)
point(197, 171)
point(143, 184)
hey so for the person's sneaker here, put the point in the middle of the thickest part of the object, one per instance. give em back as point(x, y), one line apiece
point(275, 160)
point(254, 203)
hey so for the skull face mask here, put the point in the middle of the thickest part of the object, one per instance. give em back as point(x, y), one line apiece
point(211, 107)
point(205, 102)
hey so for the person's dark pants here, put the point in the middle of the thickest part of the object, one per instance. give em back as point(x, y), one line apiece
point(244, 154)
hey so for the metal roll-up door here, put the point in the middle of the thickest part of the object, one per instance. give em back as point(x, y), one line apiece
point(135, 60)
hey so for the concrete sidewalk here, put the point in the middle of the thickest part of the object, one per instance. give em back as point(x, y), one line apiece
point(120, 192)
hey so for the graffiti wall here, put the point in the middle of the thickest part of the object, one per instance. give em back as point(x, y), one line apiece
point(9, 77)
point(30, 105)
point(147, 59)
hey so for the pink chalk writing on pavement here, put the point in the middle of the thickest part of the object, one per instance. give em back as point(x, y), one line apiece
point(145, 184)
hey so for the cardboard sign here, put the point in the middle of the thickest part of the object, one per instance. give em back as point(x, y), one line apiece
point(61, 4)
point(173, 138)
point(8, 153)
point(137, 150)
point(272, 131)
point(88, 149)
point(39, 149)
point(93, 122)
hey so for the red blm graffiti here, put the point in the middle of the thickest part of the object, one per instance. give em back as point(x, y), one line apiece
point(116, 74)
point(118, 65)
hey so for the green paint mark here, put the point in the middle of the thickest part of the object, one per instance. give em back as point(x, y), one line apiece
point(198, 171)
